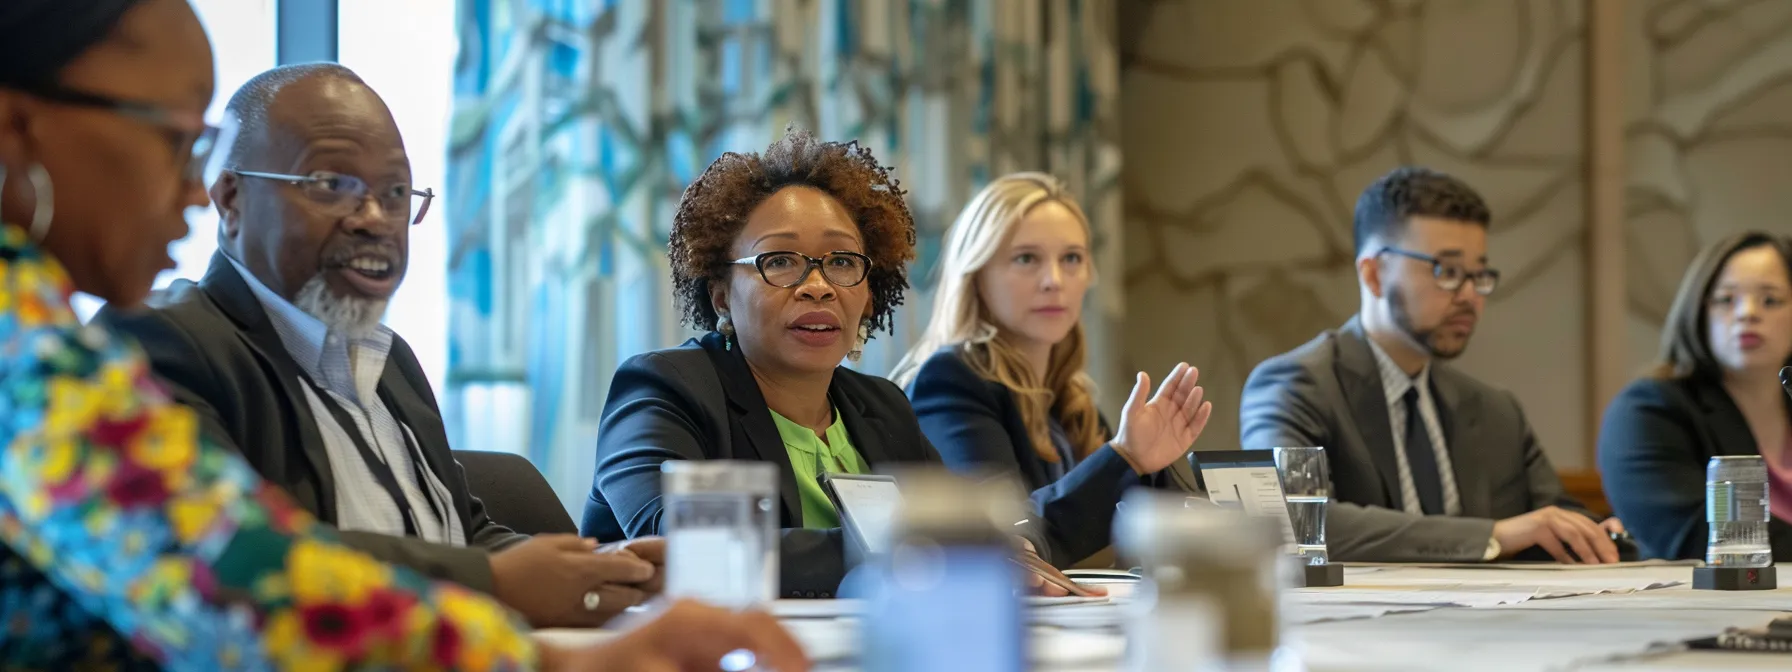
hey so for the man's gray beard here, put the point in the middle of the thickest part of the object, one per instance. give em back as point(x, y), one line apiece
point(351, 317)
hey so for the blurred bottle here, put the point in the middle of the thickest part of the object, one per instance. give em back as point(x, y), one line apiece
point(1736, 508)
point(721, 526)
point(1211, 593)
point(948, 595)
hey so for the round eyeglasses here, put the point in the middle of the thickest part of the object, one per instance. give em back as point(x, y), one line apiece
point(343, 194)
point(789, 269)
point(1449, 276)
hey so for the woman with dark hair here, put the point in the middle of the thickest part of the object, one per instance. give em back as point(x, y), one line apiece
point(791, 259)
point(1716, 391)
point(127, 540)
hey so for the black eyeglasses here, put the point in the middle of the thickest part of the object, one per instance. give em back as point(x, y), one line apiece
point(341, 195)
point(1450, 276)
point(789, 269)
point(191, 139)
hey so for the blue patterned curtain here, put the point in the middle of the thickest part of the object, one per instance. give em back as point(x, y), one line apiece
point(578, 123)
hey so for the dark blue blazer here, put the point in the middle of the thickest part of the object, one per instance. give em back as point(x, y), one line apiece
point(699, 401)
point(975, 424)
point(1654, 444)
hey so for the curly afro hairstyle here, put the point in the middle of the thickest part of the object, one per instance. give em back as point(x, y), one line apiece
point(714, 209)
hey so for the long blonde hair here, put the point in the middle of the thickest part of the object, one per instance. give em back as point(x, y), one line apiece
point(961, 320)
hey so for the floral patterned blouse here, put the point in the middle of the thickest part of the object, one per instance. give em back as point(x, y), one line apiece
point(128, 542)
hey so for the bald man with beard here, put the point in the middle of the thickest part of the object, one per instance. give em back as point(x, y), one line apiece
point(280, 350)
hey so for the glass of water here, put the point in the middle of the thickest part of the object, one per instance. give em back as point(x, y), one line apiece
point(721, 531)
point(1736, 508)
point(1307, 483)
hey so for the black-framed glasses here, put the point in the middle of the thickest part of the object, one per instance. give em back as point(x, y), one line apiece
point(191, 139)
point(1450, 276)
point(343, 194)
point(789, 269)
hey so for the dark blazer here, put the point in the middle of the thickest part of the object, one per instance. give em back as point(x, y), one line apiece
point(699, 401)
point(213, 345)
point(1654, 444)
point(976, 425)
point(1328, 393)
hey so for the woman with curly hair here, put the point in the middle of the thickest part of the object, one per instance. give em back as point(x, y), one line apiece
point(998, 380)
point(791, 259)
point(130, 538)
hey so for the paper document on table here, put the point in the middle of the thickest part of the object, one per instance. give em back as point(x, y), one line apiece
point(1444, 596)
point(1294, 613)
point(1256, 490)
point(1421, 592)
point(816, 608)
point(1540, 566)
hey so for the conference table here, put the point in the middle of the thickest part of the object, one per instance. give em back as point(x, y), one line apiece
point(1636, 616)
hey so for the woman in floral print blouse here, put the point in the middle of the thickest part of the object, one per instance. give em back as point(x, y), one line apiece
point(127, 541)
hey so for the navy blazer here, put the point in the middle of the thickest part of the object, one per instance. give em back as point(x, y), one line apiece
point(699, 401)
point(975, 424)
point(1654, 444)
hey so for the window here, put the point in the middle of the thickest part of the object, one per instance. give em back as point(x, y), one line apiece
point(242, 34)
point(411, 64)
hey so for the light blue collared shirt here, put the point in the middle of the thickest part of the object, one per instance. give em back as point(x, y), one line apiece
point(349, 370)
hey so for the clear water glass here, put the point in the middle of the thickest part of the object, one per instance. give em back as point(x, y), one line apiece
point(1736, 509)
point(721, 531)
point(1307, 483)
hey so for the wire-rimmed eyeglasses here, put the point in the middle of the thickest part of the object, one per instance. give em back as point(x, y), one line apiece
point(344, 194)
point(1450, 276)
point(789, 269)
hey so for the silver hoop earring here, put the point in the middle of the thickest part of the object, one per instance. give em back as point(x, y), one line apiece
point(44, 192)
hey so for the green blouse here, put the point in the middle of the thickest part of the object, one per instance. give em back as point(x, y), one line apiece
point(810, 456)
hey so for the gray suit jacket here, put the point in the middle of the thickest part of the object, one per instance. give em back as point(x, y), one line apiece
point(1328, 393)
point(214, 348)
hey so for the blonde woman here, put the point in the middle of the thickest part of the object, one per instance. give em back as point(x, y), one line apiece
point(997, 378)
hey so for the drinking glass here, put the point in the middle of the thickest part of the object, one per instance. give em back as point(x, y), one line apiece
point(1307, 484)
point(721, 531)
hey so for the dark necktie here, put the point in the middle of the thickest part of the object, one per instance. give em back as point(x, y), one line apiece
point(1421, 458)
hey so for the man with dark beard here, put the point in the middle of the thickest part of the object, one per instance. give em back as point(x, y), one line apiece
point(1427, 463)
point(280, 352)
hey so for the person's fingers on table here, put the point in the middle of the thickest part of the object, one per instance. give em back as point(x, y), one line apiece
point(1599, 543)
point(621, 596)
point(1576, 540)
point(566, 542)
point(651, 549)
point(1546, 540)
point(618, 567)
point(612, 601)
point(1604, 546)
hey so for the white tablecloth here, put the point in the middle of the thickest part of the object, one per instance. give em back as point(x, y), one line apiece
point(1399, 618)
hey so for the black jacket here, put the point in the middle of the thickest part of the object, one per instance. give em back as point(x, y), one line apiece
point(975, 425)
point(1654, 444)
point(699, 401)
point(215, 348)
